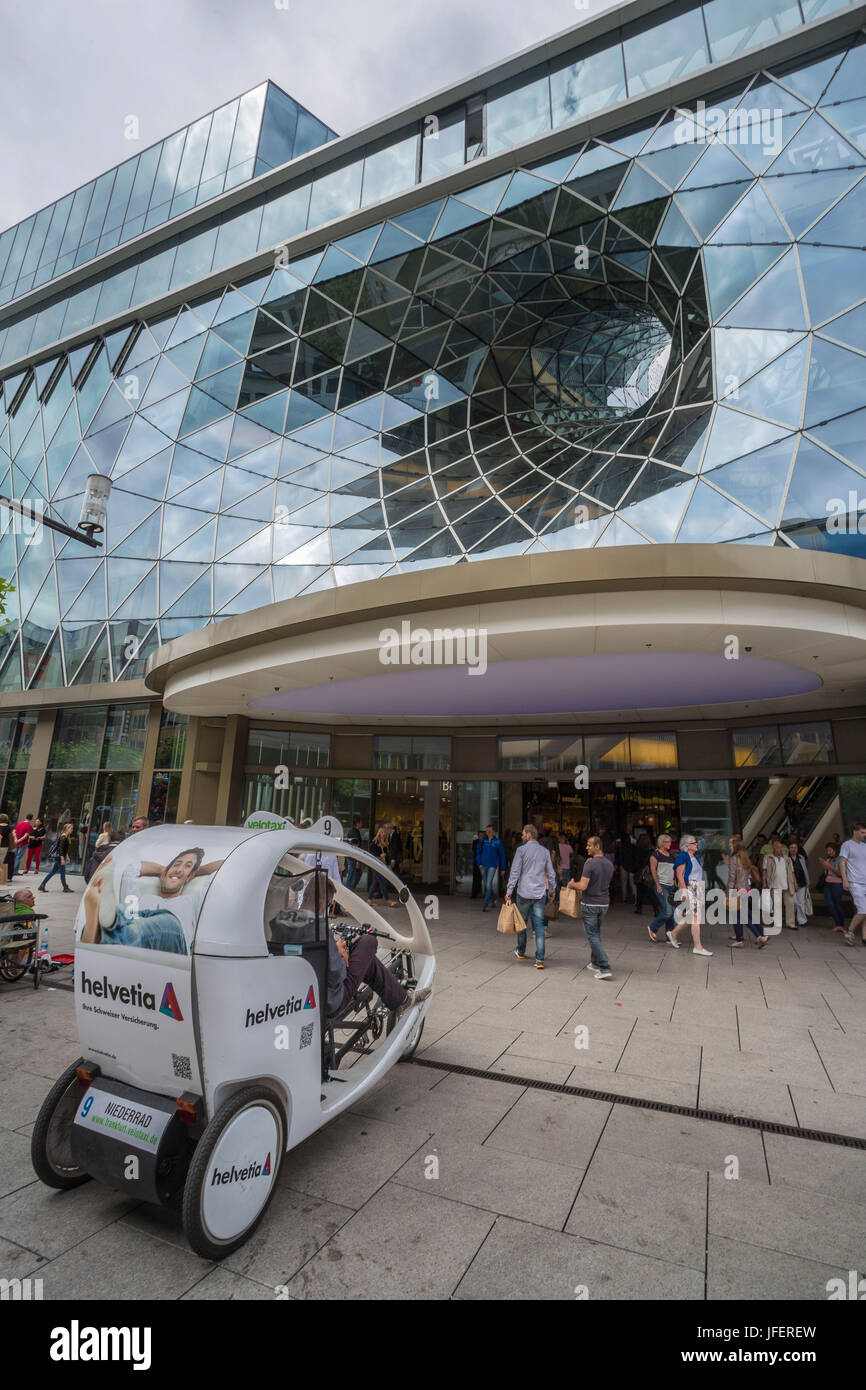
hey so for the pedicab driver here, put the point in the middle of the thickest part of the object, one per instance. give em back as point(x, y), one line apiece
point(349, 966)
point(158, 903)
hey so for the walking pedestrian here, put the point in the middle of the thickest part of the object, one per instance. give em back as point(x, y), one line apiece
point(742, 875)
point(34, 846)
point(533, 877)
point(595, 886)
point(690, 880)
point(355, 839)
point(565, 853)
point(477, 876)
point(20, 837)
point(61, 858)
point(661, 865)
point(642, 873)
point(801, 878)
point(7, 849)
point(778, 874)
point(491, 859)
point(852, 861)
point(833, 885)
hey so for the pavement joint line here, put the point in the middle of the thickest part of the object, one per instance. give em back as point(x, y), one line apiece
point(821, 1060)
point(692, 1112)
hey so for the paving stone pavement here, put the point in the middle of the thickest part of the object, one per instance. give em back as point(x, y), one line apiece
point(538, 1194)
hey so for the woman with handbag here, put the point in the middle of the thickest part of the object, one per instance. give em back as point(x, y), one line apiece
point(61, 858)
point(742, 874)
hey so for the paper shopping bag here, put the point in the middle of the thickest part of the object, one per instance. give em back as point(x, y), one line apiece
point(510, 920)
point(569, 900)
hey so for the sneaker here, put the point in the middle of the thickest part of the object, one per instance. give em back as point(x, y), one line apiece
point(519, 956)
point(413, 997)
point(849, 938)
point(539, 965)
point(604, 975)
point(672, 942)
point(593, 969)
point(761, 940)
point(700, 951)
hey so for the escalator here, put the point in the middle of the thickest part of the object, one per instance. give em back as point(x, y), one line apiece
point(804, 807)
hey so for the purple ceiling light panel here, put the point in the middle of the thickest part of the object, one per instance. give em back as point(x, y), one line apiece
point(552, 685)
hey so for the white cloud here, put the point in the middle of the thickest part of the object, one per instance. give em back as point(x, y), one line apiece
point(71, 74)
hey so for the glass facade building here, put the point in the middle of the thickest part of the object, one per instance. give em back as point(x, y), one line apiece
point(302, 368)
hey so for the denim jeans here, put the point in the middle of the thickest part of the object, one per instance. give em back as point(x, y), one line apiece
point(155, 928)
point(833, 899)
point(58, 867)
point(353, 874)
point(592, 917)
point(490, 876)
point(666, 910)
point(532, 911)
point(19, 855)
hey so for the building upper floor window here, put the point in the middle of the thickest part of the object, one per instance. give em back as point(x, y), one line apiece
point(412, 750)
point(764, 745)
point(598, 752)
point(287, 748)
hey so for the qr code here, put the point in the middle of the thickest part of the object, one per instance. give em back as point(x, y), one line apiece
point(306, 1035)
point(182, 1066)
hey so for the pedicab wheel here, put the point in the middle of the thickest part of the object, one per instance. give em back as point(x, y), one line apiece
point(233, 1173)
point(404, 969)
point(414, 1039)
point(51, 1142)
point(13, 972)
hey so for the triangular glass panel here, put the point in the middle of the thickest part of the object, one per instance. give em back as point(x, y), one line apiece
point(776, 301)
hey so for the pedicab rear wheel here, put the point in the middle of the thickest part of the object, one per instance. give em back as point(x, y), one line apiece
point(233, 1173)
point(51, 1142)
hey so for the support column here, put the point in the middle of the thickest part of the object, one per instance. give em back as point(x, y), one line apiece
point(148, 760)
point(37, 766)
point(230, 790)
point(202, 768)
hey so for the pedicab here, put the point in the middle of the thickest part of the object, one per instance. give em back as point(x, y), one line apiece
point(19, 941)
point(201, 999)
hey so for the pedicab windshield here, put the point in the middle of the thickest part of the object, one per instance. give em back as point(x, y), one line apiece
point(296, 908)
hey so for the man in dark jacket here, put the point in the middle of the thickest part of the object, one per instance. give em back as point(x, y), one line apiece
point(395, 850)
point(354, 837)
point(491, 858)
point(477, 839)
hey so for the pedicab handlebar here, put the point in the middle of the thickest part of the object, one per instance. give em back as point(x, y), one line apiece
point(351, 933)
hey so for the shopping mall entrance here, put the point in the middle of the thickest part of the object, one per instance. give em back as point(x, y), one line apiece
point(421, 811)
point(606, 808)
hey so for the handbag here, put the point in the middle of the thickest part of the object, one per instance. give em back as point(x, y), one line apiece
point(569, 900)
point(551, 910)
point(510, 921)
point(807, 903)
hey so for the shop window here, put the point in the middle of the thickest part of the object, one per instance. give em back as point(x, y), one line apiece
point(287, 748)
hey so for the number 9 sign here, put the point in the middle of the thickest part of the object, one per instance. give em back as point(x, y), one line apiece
point(87, 1106)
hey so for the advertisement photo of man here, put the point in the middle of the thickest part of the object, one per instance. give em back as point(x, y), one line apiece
point(157, 906)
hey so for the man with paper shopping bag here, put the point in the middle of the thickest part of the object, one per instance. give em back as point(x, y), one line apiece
point(532, 874)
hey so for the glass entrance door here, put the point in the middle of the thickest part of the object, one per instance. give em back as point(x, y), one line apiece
point(421, 811)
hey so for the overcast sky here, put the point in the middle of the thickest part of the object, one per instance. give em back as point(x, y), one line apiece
point(72, 70)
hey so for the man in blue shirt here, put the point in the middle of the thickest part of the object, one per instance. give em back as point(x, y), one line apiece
point(533, 876)
point(490, 856)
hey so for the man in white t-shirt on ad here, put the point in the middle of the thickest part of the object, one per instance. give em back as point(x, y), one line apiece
point(852, 863)
point(158, 905)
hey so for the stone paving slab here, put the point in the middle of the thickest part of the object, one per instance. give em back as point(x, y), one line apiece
point(747, 1273)
point(482, 1176)
point(404, 1244)
point(636, 1205)
point(704, 1144)
point(814, 1226)
point(120, 1264)
point(548, 1128)
point(520, 1260)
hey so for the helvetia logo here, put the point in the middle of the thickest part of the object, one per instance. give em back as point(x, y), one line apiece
point(136, 995)
point(169, 1005)
point(310, 1001)
point(233, 1174)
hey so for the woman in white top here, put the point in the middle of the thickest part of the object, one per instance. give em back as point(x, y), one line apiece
point(690, 879)
point(105, 837)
